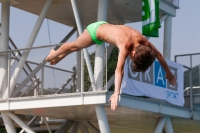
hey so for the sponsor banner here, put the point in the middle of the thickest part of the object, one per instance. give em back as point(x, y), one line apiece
point(153, 83)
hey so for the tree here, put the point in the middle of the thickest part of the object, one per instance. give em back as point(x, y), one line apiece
point(195, 77)
point(111, 65)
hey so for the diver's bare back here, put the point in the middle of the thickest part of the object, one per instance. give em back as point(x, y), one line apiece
point(118, 35)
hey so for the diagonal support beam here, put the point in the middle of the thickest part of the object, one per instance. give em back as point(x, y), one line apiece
point(8, 123)
point(16, 91)
point(109, 83)
point(29, 123)
point(30, 87)
point(19, 122)
point(83, 128)
point(91, 127)
point(168, 126)
point(29, 44)
point(160, 125)
point(75, 127)
point(86, 55)
point(47, 125)
point(65, 127)
point(62, 87)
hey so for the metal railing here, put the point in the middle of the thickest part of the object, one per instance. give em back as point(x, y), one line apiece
point(190, 62)
point(35, 80)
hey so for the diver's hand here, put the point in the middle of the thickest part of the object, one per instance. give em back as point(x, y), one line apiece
point(171, 78)
point(114, 101)
point(51, 57)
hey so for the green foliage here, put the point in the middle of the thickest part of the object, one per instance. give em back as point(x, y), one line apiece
point(111, 65)
point(195, 77)
point(86, 74)
point(3, 129)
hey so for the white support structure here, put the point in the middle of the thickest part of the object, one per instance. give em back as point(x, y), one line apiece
point(19, 122)
point(168, 126)
point(39, 66)
point(167, 54)
point(75, 127)
point(80, 31)
point(98, 69)
point(65, 127)
point(29, 44)
point(102, 119)
point(167, 37)
point(29, 123)
point(78, 67)
point(160, 124)
point(8, 123)
point(47, 125)
point(4, 42)
point(164, 123)
point(91, 127)
point(99, 54)
point(83, 128)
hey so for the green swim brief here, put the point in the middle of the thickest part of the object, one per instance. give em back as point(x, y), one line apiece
point(92, 28)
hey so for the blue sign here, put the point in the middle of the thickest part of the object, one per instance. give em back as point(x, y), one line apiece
point(159, 74)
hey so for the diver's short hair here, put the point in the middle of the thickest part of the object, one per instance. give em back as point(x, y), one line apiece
point(143, 58)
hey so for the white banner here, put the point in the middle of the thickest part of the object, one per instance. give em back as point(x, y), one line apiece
point(153, 83)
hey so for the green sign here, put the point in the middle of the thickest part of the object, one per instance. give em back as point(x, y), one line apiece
point(150, 18)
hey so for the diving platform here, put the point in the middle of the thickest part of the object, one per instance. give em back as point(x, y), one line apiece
point(31, 102)
point(134, 114)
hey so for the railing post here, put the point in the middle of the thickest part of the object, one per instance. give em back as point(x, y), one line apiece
point(191, 85)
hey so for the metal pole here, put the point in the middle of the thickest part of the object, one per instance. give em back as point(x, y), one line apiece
point(102, 119)
point(168, 126)
point(20, 122)
point(191, 85)
point(99, 56)
point(29, 123)
point(87, 59)
point(79, 67)
point(47, 125)
point(42, 81)
point(91, 127)
point(75, 127)
point(160, 125)
point(199, 75)
point(36, 87)
point(40, 65)
point(83, 128)
point(4, 44)
point(8, 124)
point(30, 43)
point(82, 71)
point(65, 127)
point(167, 37)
